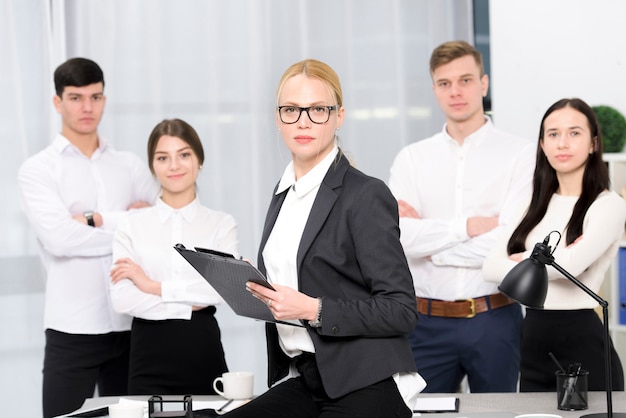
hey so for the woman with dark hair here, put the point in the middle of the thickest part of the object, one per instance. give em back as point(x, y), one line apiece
point(175, 339)
point(570, 195)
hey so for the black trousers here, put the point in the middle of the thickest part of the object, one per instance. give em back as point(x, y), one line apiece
point(75, 363)
point(304, 397)
point(573, 336)
point(176, 356)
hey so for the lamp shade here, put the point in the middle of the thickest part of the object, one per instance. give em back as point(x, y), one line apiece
point(527, 283)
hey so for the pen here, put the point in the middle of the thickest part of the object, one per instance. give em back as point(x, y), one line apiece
point(223, 407)
point(569, 385)
point(557, 362)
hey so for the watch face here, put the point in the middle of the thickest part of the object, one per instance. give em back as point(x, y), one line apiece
point(89, 216)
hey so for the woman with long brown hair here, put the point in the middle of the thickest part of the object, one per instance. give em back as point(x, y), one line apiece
point(571, 196)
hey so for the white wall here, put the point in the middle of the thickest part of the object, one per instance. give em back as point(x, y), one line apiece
point(545, 50)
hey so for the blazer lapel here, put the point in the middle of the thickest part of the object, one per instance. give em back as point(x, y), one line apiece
point(270, 220)
point(324, 202)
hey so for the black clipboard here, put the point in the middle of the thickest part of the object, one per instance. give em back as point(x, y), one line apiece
point(228, 276)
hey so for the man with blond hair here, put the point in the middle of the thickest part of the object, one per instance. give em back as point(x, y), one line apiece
point(455, 191)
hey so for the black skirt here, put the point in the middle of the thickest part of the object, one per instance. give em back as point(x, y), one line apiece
point(176, 356)
point(573, 336)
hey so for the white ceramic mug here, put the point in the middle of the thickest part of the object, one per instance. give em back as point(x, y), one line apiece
point(538, 416)
point(235, 385)
point(126, 410)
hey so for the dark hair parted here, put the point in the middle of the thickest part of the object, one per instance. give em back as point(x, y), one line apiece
point(545, 183)
point(449, 51)
point(180, 129)
point(77, 72)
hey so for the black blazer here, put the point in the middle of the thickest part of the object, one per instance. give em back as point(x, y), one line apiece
point(350, 255)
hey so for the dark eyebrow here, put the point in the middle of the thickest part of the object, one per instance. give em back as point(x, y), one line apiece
point(156, 151)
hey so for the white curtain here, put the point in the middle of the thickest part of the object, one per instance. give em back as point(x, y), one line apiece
point(215, 64)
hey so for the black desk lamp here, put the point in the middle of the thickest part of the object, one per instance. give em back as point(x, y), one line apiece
point(527, 283)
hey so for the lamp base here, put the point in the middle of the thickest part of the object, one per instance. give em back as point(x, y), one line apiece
point(605, 415)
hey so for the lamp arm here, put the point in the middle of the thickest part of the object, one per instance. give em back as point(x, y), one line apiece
point(578, 283)
point(605, 319)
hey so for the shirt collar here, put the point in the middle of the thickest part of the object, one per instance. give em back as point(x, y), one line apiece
point(61, 144)
point(475, 137)
point(310, 180)
point(188, 212)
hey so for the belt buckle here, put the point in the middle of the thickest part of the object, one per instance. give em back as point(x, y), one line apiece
point(472, 303)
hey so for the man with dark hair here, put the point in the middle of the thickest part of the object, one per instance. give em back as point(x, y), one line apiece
point(73, 192)
point(456, 191)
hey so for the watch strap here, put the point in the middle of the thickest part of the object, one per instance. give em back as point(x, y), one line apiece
point(89, 216)
point(318, 318)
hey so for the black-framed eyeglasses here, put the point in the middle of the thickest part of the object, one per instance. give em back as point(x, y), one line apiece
point(316, 114)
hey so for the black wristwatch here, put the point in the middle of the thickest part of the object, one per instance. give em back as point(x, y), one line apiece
point(89, 216)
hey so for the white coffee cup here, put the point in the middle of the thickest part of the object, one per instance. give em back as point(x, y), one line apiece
point(126, 410)
point(538, 416)
point(235, 385)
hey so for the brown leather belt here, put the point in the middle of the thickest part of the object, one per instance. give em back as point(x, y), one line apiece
point(466, 308)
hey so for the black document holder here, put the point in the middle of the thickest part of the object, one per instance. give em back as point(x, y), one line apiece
point(228, 276)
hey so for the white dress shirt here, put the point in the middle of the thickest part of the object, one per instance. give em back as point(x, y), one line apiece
point(587, 260)
point(58, 183)
point(281, 250)
point(489, 175)
point(148, 237)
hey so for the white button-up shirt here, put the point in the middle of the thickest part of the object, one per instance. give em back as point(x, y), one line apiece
point(489, 175)
point(148, 237)
point(58, 183)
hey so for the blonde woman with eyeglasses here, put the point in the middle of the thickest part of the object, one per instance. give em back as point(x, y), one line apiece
point(331, 249)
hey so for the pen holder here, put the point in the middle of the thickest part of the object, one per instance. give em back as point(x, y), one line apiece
point(571, 390)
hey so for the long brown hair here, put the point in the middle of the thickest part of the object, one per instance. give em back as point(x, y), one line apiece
point(545, 183)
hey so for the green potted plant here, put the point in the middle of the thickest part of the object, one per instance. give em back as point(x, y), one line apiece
point(613, 127)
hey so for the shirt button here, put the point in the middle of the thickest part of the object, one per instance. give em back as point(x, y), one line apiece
point(334, 329)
